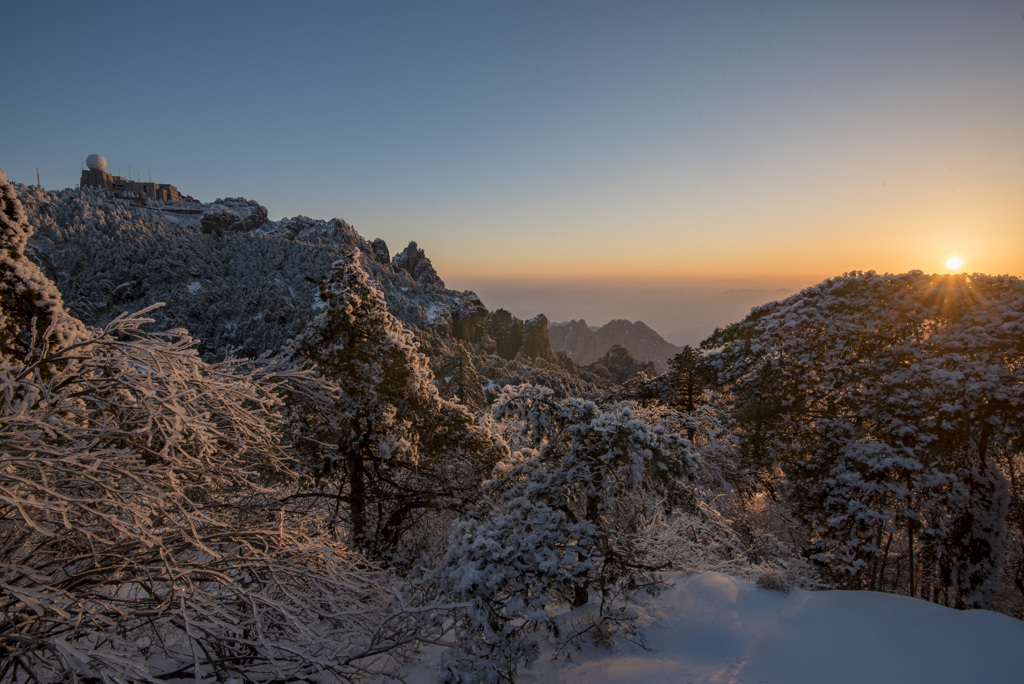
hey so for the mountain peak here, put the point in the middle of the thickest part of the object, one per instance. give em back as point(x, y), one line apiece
point(587, 344)
point(414, 261)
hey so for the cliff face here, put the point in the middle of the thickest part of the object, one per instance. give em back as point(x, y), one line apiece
point(586, 345)
point(507, 332)
point(414, 261)
point(577, 340)
point(536, 343)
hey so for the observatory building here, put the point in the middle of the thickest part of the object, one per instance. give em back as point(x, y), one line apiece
point(97, 177)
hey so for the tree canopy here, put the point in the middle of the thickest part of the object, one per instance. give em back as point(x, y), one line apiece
point(892, 406)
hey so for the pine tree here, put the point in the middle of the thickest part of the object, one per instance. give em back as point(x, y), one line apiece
point(686, 383)
point(394, 448)
point(31, 309)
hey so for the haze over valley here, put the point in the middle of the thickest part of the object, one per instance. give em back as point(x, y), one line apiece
point(682, 313)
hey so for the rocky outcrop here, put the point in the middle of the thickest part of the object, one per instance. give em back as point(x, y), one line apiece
point(233, 215)
point(469, 320)
point(507, 332)
point(290, 228)
point(513, 337)
point(415, 262)
point(304, 229)
point(536, 343)
point(379, 249)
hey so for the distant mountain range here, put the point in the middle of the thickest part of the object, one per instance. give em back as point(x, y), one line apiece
point(586, 344)
point(682, 313)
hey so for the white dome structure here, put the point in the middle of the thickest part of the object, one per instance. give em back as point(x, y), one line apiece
point(96, 163)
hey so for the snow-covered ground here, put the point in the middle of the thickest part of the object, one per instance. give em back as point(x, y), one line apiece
point(714, 629)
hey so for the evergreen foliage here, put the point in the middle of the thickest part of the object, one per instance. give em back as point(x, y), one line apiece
point(891, 405)
point(392, 447)
point(559, 522)
point(31, 308)
point(141, 490)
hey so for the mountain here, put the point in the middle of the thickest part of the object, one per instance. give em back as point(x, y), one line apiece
point(684, 312)
point(246, 285)
point(86, 415)
point(586, 344)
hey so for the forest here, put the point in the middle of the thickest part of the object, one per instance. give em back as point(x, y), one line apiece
point(327, 481)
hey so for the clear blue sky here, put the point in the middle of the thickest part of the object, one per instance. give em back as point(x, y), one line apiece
point(591, 140)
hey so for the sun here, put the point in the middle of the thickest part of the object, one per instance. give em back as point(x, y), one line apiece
point(954, 263)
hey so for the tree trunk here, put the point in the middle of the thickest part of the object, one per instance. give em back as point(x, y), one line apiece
point(581, 595)
point(354, 462)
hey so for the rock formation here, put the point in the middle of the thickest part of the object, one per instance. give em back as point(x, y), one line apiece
point(233, 215)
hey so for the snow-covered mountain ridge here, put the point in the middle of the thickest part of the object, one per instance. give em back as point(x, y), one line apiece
point(238, 281)
point(110, 256)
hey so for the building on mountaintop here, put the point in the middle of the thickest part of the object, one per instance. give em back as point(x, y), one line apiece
point(96, 176)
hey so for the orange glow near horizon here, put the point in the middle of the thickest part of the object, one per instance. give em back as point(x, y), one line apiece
point(805, 263)
point(774, 234)
point(809, 258)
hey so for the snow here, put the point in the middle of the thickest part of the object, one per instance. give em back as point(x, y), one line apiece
point(195, 286)
point(710, 628)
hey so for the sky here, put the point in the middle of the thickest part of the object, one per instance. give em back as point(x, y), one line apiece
point(636, 144)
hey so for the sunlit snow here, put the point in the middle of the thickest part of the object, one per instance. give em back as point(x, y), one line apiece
point(714, 629)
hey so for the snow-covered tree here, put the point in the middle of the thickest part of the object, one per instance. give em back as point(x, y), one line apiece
point(686, 382)
point(30, 306)
point(558, 524)
point(892, 404)
point(144, 535)
point(389, 445)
